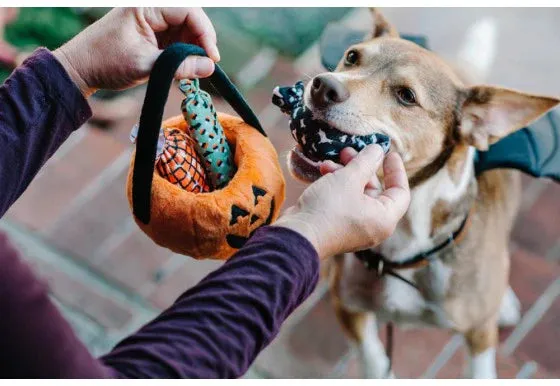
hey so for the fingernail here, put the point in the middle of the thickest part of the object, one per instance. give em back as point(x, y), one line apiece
point(214, 53)
point(204, 66)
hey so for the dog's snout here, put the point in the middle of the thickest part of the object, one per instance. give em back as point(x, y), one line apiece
point(326, 90)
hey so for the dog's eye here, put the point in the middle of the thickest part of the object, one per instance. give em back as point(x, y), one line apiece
point(406, 96)
point(351, 58)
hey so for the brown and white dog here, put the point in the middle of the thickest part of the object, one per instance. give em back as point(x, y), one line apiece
point(435, 120)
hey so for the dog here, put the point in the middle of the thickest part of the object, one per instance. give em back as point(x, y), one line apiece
point(435, 119)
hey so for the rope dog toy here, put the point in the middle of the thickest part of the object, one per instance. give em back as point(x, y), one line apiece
point(317, 139)
point(213, 224)
point(208, 134)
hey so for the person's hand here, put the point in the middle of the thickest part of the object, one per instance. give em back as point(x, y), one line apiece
point(8, 53)
point(119, 50)
point(346, 210)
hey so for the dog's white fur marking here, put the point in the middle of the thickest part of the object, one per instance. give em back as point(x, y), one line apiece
point(510, 310)
point(371, 353)
point(478, 50)
point(483, 365)
point(401, 299)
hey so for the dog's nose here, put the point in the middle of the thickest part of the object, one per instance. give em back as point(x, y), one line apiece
point(326, 90)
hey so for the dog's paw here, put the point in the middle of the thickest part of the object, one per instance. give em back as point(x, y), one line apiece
point(510, 310)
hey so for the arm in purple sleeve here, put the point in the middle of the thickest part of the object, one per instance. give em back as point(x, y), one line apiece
point(217, 328)
point(214, 330)
point(39, 107)
point(35, 340)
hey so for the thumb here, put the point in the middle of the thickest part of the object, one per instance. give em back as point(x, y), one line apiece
point(364, 165)
point(195, 67)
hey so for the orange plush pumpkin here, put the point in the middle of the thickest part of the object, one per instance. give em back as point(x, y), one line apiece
point(216, 224)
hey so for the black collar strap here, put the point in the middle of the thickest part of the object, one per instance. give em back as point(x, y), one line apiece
point(373, 260)
point(376, 261)
point(161, 76)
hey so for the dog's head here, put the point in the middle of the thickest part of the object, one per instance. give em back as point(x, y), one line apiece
point(391, 86)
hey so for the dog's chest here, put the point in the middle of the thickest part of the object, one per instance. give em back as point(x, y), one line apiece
point(392, 298)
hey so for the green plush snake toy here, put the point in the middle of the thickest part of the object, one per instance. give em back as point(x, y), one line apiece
point(205, 129)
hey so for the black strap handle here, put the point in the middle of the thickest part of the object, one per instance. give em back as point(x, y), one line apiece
point(151, 117)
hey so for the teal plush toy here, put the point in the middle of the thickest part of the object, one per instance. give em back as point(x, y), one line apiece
point(208, 134)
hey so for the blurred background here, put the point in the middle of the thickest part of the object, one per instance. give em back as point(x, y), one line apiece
point(74, 225)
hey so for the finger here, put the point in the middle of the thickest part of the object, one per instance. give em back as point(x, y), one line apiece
point(396, 196)
point(196, 26)
point(329, 167)
point(374, 182)
point(347, 154)
point(374, 193)
point(195, 67)
point(200, 27)
point(364, 165)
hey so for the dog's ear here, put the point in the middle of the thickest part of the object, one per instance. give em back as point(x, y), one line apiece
point(490, 113)
point(381, 27)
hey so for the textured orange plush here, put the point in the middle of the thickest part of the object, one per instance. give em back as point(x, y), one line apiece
point(216, 224)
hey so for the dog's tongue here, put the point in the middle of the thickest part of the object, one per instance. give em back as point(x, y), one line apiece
point(317, 139)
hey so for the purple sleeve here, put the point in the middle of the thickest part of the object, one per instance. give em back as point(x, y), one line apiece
point(35, 340)
point(39, 107)
point(217, 328)
point(214, 330)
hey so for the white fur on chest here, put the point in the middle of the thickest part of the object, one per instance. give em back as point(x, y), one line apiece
point(397, 300)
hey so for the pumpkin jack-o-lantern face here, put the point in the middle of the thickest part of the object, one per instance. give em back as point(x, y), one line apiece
point(251, 218)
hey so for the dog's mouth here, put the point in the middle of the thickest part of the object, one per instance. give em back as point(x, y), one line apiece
point(303, 167)
point(317, 140)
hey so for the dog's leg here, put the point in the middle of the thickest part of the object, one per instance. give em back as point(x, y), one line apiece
point(510, 309)
point(361, 328)
point(482, 343)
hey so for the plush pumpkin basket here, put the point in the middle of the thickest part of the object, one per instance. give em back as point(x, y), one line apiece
point(213, 224)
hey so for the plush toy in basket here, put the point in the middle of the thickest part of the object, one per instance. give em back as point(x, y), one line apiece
point(200, 184)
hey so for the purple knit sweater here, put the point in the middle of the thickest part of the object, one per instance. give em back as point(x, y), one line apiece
point(214, 330)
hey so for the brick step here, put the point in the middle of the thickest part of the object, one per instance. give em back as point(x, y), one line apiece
point(316, 344)
point(536, 282)
point(537, 228)
point(81, 290)
point(100, 211)
point(62, 179)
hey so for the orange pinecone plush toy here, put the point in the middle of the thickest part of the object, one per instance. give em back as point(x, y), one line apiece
point(180, 164)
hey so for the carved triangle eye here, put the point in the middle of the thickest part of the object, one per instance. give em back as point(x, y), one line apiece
point(254, 219)
point(258, 192)
point(237, 212)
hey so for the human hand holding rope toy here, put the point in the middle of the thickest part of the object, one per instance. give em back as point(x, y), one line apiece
point(347, 210)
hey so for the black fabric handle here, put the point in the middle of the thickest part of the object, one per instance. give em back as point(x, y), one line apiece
point(151, 117)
